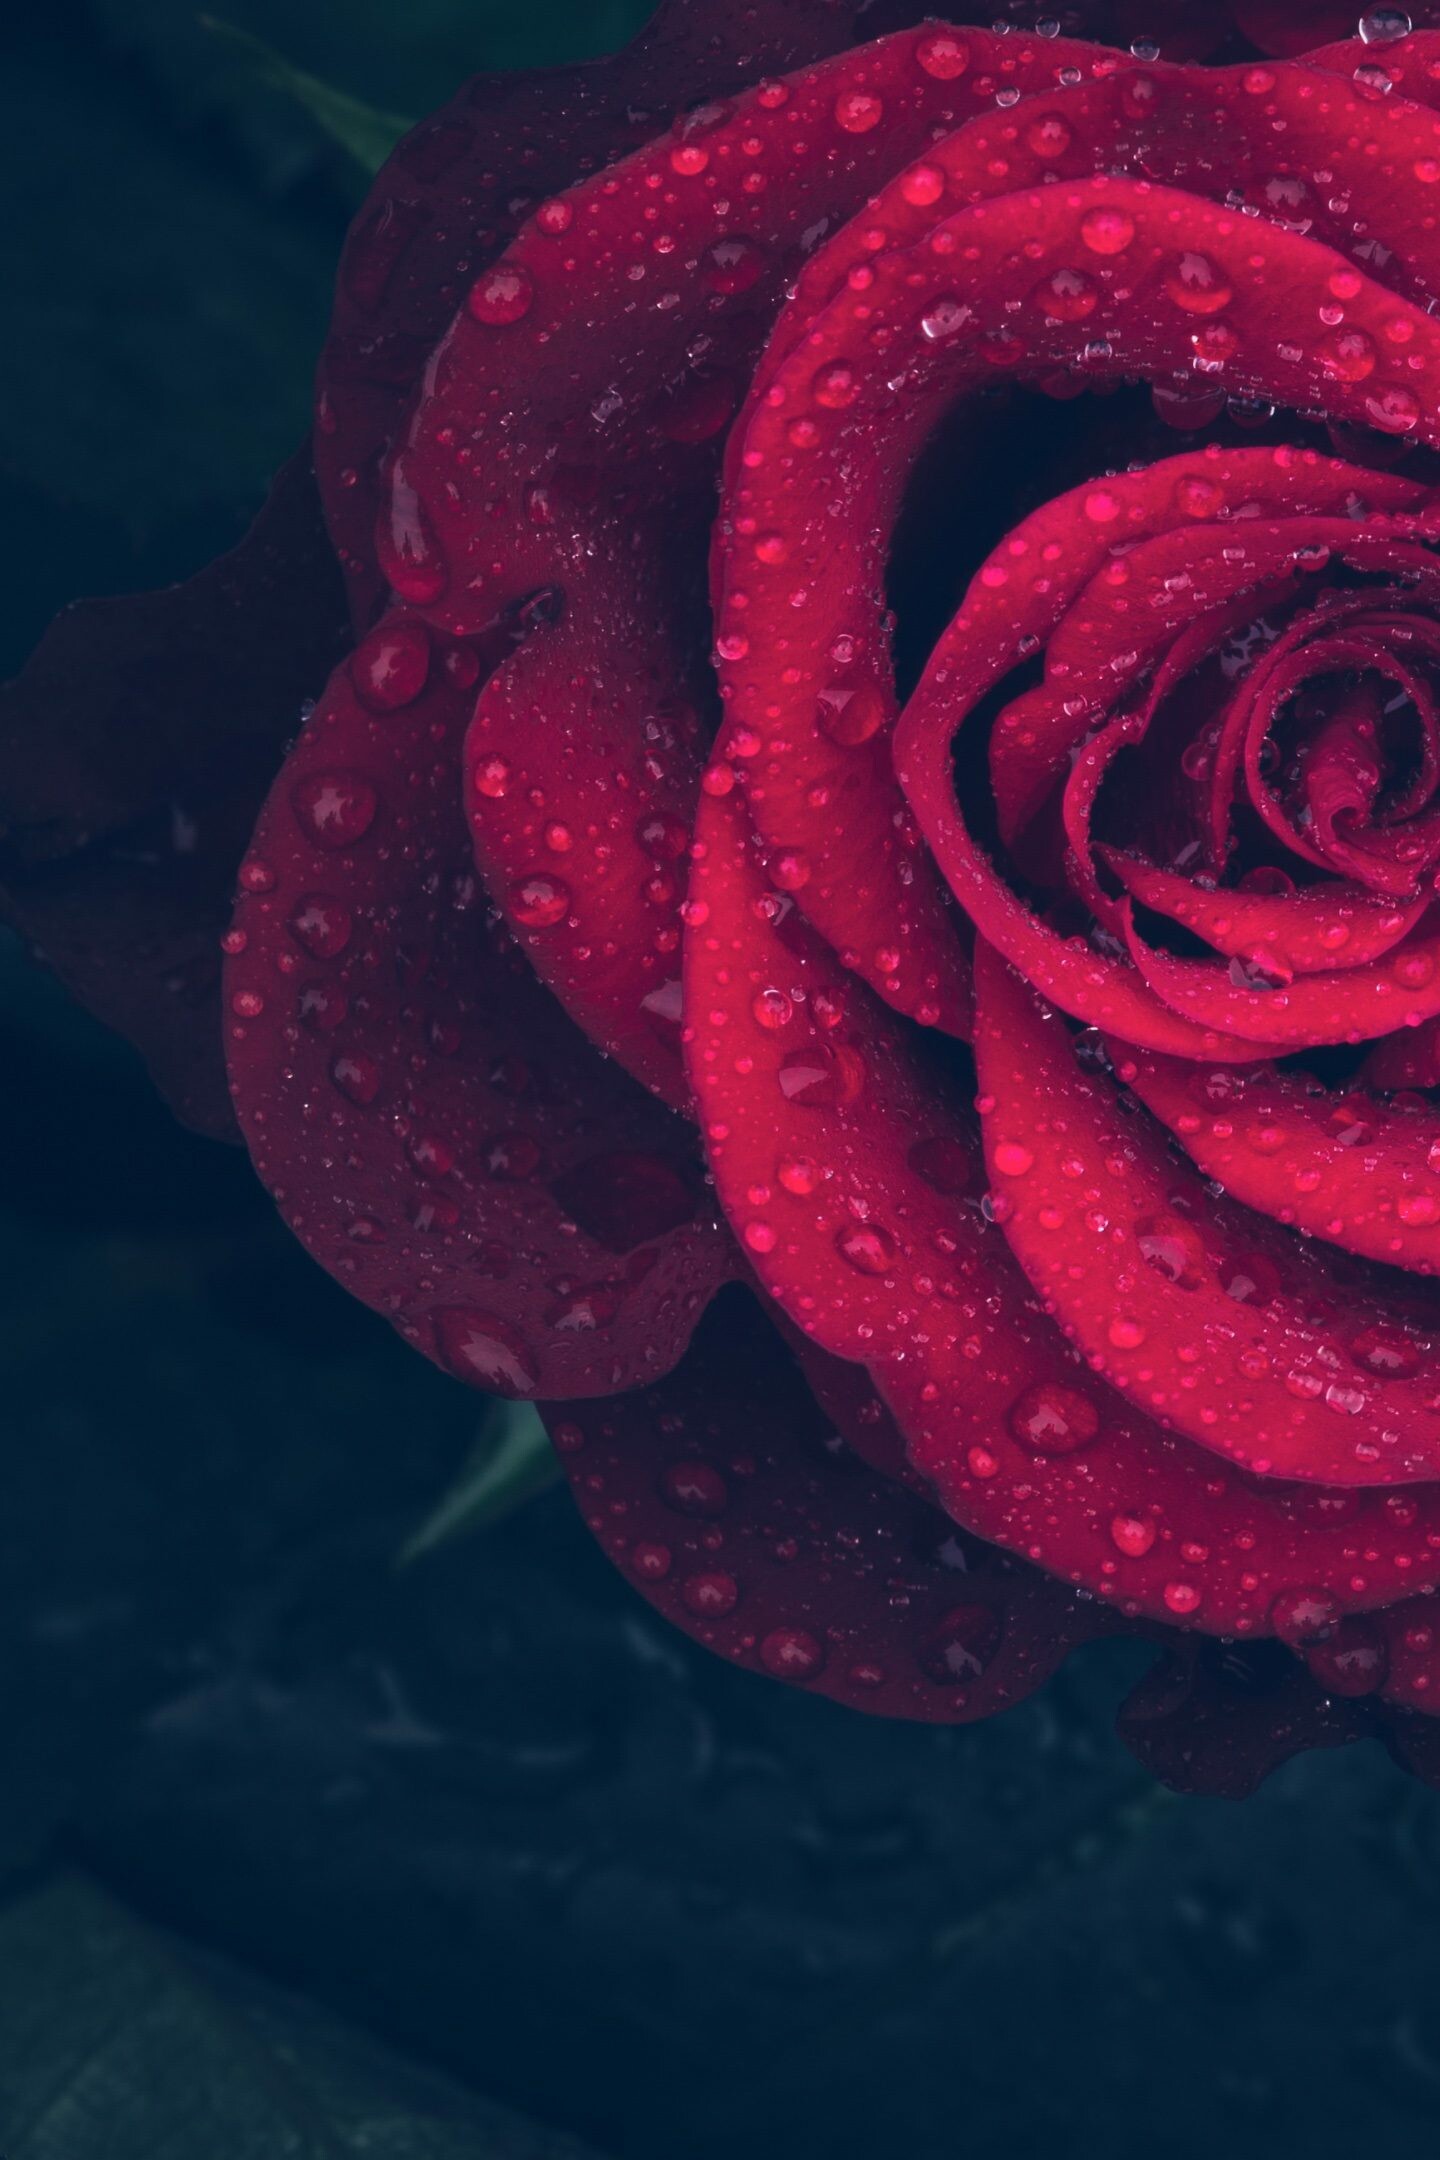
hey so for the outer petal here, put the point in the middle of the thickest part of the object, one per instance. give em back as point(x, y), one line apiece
point(727, 1497)
point(455, 191)
point(135, 750)
point(432, 1126)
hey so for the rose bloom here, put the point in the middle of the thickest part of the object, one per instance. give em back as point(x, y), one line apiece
point(854, 910)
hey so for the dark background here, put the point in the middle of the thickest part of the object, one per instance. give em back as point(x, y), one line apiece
point(303, 1851)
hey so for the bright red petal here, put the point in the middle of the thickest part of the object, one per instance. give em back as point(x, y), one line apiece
point(1335, 1164)
point(1142, 1269)
point(853, 1179)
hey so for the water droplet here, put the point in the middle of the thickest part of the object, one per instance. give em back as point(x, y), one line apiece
point(850, 715)
point(390, 668)
point(321, 924)
point(357, 1075)
point(923, 185)
point(836, 385)
point(710, 1594)
point(1053, 1420)
point(799, 1174)
point(1173, 1249)
point(733, 264)
point(334, 809)
point(1354, 1659)
point(1348, 356)
point(943, 317)
point(772, 1009)
point(1107, 231)
point(694, 1488)
point(1049, 136)
point(405, 544)
point(867, 1247)
point(1304, 1615)
point(961, 1645)
point(1386, 1352)
point(501, 294)
point(943, 56)
point(1132, 1535)
point(823, 1076)
point(485, 1350)
point(857, 111)
point(539, 900)
point(792, 1654)
point(1067, 295)
point(1383, 25)
point(1196, 285)
point(1012, 1159)
point(1393, 409)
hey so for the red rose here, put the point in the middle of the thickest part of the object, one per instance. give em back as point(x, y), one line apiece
point(1016, 992)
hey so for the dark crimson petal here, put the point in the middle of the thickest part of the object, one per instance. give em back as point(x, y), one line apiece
point(432, 1126)
point(1291, 27)
point(1409, 1060)
point(135, 750)
point(1218, 1718)
point(1345, 1167)
point(854, 1183)
point(1292, 933)
point(727, 1498)
point(1347, 1006)
point(457, 188)
point(601, 499)
point(1138, 1266)
point(561, 784)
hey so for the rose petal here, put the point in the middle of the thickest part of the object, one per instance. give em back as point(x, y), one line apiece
point(1347, 1006)
point(434, 1129)
point(455, 191)
point(727, 1498)
point(852, 1179)
point(1335, 1165)
point(135, 750)
point(1139, 1266)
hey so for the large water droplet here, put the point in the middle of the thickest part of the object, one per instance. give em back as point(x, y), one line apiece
point(334, 809)
point(1053, 1420)
point(485, 1350)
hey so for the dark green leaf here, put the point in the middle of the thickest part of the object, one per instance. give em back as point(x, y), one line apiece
point(511, 1463)
point(163, 322)
point(115, 2046)
point(367, 134)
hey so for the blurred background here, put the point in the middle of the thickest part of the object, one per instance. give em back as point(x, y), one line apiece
point(314, 1844)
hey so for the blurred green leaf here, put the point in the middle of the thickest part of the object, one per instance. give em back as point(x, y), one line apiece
point(511, 1463)
point(406, 58)
point(163, 320)
point(367, 134)
point(113, 2046)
